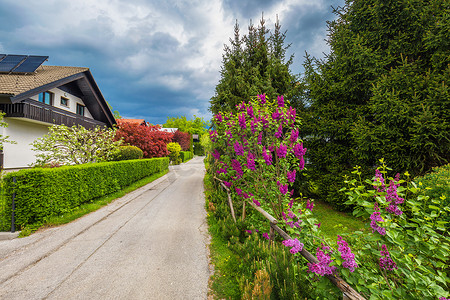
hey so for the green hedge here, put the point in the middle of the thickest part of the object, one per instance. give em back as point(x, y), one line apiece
point(186, 155)
point(46, 192)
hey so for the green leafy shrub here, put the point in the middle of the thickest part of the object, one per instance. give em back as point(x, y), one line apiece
point(186, 155)
point(198, 149)
point(436, 186)
point(46, 192)
point(174, 153)
point(127, 153)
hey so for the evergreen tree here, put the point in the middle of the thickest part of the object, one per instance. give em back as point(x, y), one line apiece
point(254, 64)
point(381, 92)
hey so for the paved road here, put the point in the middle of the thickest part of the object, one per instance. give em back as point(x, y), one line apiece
point(150, 244)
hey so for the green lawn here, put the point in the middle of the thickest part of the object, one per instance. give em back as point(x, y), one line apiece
point(334, 223)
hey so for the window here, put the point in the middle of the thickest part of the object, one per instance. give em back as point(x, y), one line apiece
point(80, 109)
point(46, 97)
point(64, 101)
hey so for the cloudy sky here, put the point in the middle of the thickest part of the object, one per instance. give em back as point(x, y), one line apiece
point(154, 59)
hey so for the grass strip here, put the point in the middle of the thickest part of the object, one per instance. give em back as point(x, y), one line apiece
point(87, 208)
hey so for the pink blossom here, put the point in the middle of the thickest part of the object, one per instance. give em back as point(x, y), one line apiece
point(295, 245)
point(256, 202)
point(238, 148)
point(309, 205)
point(280, 100)
point(251, 162)
point(347, 255)
point(279, 133)
point(323, 266)
point(294, 135)
point(386, 262)
point(266, 235)
point(262, 98)
point(216, 154)
point(282, 151)
point(267, 156)
point(241, 119)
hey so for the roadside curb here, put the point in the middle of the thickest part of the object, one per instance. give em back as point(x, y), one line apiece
point(8, 235)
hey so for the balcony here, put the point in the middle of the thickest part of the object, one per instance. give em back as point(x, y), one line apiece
point(48, 114)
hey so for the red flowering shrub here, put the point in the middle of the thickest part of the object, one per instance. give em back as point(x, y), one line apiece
point(182, 138)
point(150, 139)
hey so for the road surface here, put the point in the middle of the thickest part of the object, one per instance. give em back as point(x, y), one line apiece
point(150, 244)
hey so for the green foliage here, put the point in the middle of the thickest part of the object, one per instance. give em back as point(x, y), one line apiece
point(174, 153)
point(126, 153)
point(436, 185)
point(75, 145)
point(186, 155)
point(43, 193)
point(195, 126)
point(381, 92)
point(205, 141)
point(198, 149)
point(413, 237)
point(254, 64)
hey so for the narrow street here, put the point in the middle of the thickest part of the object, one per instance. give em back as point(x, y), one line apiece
point(149, 244)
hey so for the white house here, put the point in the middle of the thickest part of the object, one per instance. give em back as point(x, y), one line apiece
point(34, 100)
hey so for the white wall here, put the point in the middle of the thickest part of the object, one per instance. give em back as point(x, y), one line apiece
point(73, 100)
point(24, 133)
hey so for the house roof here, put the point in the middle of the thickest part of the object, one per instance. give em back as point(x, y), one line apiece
point(131, 121)
point(18, 87)
point(16, 84)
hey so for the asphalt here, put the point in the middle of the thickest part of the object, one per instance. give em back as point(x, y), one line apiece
point(150, 244)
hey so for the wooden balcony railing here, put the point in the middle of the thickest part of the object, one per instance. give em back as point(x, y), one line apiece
point(47, 114)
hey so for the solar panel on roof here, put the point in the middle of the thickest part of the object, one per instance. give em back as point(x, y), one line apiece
point(10, 62)
point(30, 64)
point(1, 56)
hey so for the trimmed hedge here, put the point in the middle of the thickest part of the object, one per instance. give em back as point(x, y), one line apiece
point(186, 155)
point(127, 153)
point(43, 192)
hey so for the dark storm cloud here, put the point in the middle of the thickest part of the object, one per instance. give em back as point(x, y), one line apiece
point(153, 59)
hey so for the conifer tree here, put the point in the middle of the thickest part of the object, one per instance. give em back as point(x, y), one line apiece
point(381, 92)
point(254, 64)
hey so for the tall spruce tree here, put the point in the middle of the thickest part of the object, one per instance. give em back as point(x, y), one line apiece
point(382, 92)
point(254, 64)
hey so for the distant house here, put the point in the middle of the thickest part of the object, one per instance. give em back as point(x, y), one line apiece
point(171, 130)
point(33, 100)
point(140, 122)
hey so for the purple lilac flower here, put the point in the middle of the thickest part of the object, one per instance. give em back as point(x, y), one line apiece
point(238, 148)
point(299, 151)
point(229, 134)
point(241, 119)
point(251, 162)
point(294, 136)
point(279, 133)
point(267, 156)
point(386, 262)
point(265, 123)
point(309, 205)
point(443, 298)
point(291, 114)
point(276, 115)
point(250, 112)
point(248, 231)
point(228, 184)
point(256, 202)
point(252, 126)
point(295, 245)
point(237, 167)
point(323, 266)
point(218, 117)
point(318, 225)
point(282, 151)
point(213, 136)
point(266, 235)
point(260, 138)
point(347, 255)
point(241, 106)
point(291, 215)
point(262, 98)
point(379, 178)
point(291, 175)
point(393, 199)
point(376, 217)
point(291, 203)
point(283, 188)
point(280, 100)
point(216, 154)
point(238, 191)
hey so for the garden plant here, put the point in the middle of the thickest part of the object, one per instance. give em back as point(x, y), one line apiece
point(405, 254)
